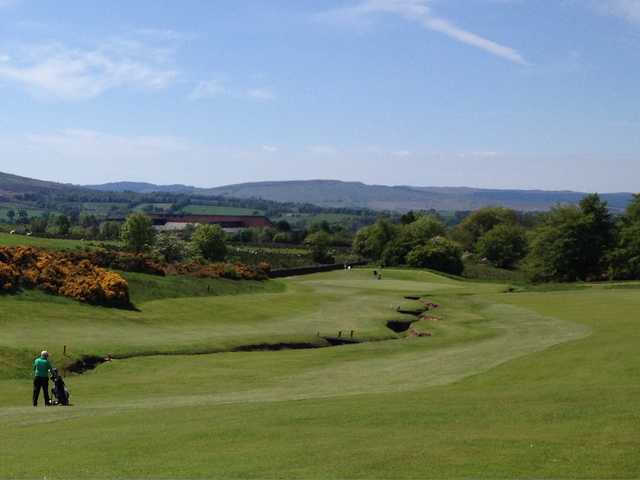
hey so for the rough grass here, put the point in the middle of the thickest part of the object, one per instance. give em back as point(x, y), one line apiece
point(48, 243)
point(527, 385)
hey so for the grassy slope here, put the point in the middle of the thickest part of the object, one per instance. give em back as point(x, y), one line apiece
point(48, 243)
point(494, 393)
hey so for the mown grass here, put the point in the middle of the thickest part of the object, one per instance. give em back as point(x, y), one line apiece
point(527, 385)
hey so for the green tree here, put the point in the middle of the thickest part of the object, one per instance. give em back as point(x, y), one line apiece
point(423, 229)
point(169, 247)
point(599, 236)
point(438, 254)
point(371, 241)
point(209, 241)
point(188, 232)
point(319, 242)
point(480, 222)
point(77, 232)
point(11, 214)
point(408, 218)
point(573, 243)
point(137, 232)
point(320, 226)
point(23, 217)
point(504, 245)
point(109, 230)
point(87, 220)
point(395, 252)
point(283, 226)
point(38, 224)
point(624, 260)
point(632, 214)
point(62, 224)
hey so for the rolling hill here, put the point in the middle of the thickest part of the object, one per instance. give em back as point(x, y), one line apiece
point(335, 193)
point(13, 184)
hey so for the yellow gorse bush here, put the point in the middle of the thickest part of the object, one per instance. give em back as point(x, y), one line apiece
point(55, 273)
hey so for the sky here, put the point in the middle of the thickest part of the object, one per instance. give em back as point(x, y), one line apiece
point(483, 93)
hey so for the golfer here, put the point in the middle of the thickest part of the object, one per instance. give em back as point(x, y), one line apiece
point(41, 367)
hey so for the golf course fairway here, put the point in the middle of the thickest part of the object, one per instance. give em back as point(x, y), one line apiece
point(511, 383)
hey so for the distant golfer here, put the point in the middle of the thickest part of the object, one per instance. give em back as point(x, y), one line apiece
point(41, 368)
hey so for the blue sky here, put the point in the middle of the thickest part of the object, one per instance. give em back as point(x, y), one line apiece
point(489, 93)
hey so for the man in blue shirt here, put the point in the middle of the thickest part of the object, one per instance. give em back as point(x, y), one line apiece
point(41, 368)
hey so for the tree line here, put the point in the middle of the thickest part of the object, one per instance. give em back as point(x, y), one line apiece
point(569, 243)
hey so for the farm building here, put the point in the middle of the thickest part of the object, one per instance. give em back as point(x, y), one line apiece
point(229, 223)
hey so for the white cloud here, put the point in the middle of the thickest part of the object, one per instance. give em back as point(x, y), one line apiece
point(208, 89)
point(217, 87)
point(263, 94)
point(629, 10)
point(269, 148)
point(323, 150)
point(401, 153)
point(165, 34)
point(419, 11)
point(55, 71)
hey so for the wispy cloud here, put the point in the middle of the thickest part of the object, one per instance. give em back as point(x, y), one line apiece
point(208, 89)
point(420, 11)
point(7, 3)
point(628, 10)
point(55, 71)
point(262, 94)
point(165, 34)
point(218, 87)
point(323, 150)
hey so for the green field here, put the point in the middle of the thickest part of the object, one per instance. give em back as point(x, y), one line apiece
point(31, 211)
point(160, 206)
point(537, 384)
point(8, 240)
point(102, 209)
point(219, 210)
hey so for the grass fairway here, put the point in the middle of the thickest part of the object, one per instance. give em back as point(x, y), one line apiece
point(511, 385)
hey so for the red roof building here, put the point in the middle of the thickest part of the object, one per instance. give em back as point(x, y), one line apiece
point(227, 222)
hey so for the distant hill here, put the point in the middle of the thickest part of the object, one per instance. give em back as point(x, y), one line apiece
point(142, 187)
point(334, 193)
point(14, 184)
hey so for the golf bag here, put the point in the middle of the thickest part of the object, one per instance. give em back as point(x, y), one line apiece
point(59, 392)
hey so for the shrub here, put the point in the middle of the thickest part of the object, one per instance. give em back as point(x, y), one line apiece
point(234, 271)
point(439, 254)
point(125, 261)
point(9, 278)
point(58, 274)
